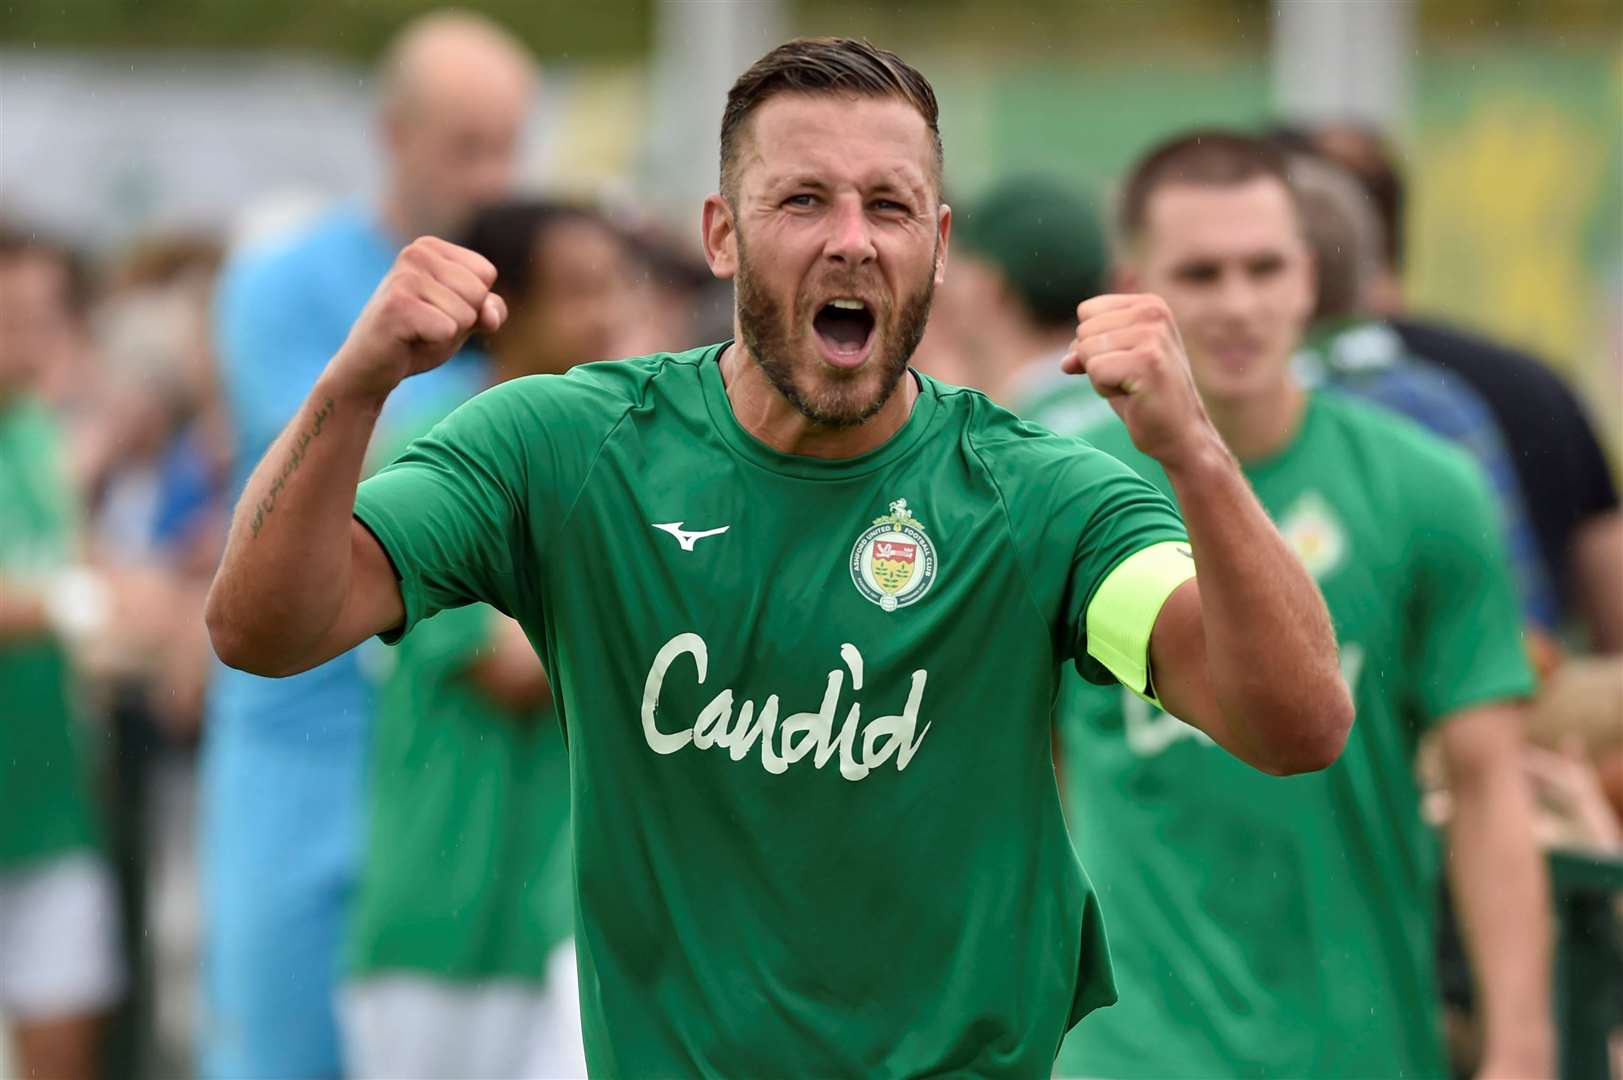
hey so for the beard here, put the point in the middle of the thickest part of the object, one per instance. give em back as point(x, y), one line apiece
point(781, 345)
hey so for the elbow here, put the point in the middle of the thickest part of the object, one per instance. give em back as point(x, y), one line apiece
point(235, 644)
point(1317, 743)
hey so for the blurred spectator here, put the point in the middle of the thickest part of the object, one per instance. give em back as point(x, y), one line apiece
point(1361, 354)
point(1571, 495)
point(284, 759)
point(1023, 257)
point(461, 954)
point(679, 304)
point(59, 967)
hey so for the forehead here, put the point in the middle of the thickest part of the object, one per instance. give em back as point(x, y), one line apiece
point(1215, 221)
point(837, 138)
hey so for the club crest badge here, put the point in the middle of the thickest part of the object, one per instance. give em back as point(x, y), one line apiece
point(893, 563)
point(1311, 529)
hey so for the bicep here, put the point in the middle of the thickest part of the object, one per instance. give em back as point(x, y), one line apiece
point(1179, 676)
point(373, 604)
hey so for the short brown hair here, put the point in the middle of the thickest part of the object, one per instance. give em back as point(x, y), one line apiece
point(821, 66)
point(1212, 157)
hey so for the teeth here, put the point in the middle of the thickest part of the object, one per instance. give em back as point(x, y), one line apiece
point(848, 305)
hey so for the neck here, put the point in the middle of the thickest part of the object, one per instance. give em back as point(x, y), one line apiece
point(768, 416)
point(1259, 427)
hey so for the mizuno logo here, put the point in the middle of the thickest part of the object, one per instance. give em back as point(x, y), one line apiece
point(685, 538)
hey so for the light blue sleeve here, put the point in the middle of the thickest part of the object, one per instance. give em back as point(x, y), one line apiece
point(272, 343)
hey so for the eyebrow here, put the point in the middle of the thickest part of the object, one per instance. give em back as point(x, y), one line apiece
point(884, 186)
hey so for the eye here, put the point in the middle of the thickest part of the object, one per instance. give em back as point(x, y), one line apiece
point(889, 206)
point(1199, 273)
point(1266, 266)
point(804, 199)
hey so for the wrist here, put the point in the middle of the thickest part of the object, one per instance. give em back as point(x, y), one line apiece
point(344, 385)
point(1199, 457)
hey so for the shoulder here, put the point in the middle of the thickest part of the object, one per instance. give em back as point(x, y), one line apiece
point(289, 256)
point(589, 401)
point(1399, 454)
point(1026, 458)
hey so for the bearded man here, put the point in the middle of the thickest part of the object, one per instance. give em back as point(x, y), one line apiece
point(804, 609)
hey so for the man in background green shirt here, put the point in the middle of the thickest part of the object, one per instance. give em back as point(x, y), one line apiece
point(59, 964)
point(1286, 928)
point(461, 952)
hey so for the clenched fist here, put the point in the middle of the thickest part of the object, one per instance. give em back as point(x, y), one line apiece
point(434, 296)
point(1129, 346)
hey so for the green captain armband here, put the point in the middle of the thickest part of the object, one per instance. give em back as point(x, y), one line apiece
point(1125, 606)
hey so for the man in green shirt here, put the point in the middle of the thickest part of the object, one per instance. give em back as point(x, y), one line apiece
point(1286, 928)
point(460, 951)
point(804, 610)
point(59, 965)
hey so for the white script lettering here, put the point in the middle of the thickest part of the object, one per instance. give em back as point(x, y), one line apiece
point(800, 733)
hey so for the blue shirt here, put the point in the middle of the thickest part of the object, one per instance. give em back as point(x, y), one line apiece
point(283, 309)
point(284, 759)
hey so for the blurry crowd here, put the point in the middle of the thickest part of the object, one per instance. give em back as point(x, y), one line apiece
point(394, 823)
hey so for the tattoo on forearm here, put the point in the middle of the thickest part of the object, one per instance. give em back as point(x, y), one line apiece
point(291, 466)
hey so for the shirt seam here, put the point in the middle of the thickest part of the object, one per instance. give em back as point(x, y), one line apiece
point(1014, 540)
point(597, 455)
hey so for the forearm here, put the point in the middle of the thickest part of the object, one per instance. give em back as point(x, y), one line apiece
point(1501, 895)
point(1598, 557)
point(1270, 649)
point(284, 577)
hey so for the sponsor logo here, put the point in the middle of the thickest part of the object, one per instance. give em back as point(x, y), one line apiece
point(893, 563)
point(741, 728)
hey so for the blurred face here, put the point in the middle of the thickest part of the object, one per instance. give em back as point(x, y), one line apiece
point(1232, 265)
point(36, 327)
point(837, 239)
point(455, 147)
point(580, 302)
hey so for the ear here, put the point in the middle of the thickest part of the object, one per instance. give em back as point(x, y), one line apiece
point(943, 226)
point(1311, 287)
point(720, 237)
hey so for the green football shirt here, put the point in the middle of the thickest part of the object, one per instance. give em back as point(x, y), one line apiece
point(807, 705)
point(466, 875)
point(1284, 927)
point(44, 807)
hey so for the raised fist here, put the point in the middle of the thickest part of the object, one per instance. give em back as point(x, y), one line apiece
point(1129, 346)
point(434, 296)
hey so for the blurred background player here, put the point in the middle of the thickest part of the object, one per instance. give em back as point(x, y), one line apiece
point(461, 958)
point(1286, 927)
point(1025, 254)
point(59, 966)
point(284, 760)
point(1571, 494)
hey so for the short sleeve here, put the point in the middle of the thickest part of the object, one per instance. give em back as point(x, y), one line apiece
point(1466, 630)
point(453, 511)
point(1129, 557)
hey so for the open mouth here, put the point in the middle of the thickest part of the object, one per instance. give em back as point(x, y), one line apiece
point(844, 329)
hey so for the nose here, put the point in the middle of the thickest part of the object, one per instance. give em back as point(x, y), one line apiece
point(1236, 295)
point(850, 239)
